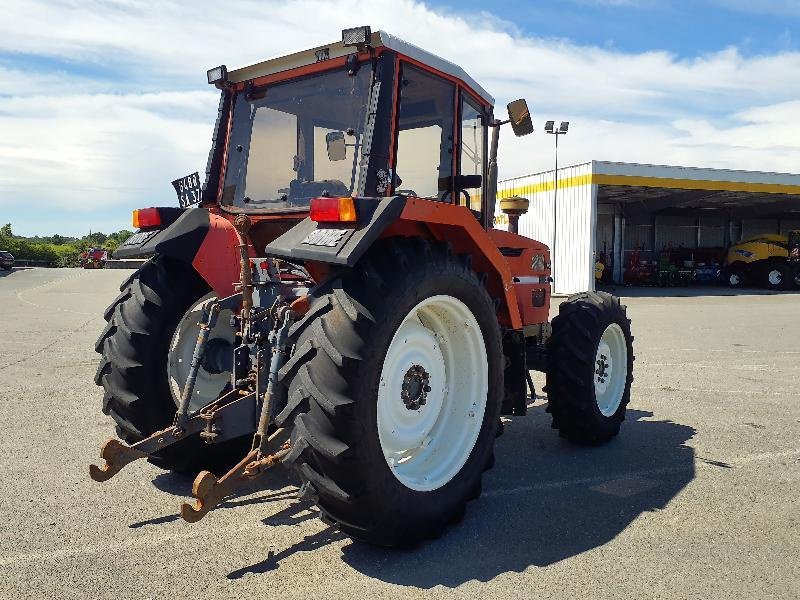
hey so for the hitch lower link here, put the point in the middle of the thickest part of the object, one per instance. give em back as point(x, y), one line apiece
point(237, 413)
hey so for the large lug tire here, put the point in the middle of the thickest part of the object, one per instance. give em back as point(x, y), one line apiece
point(778, 276)
point(133, 369)
point(394, 393)
point(590, 367)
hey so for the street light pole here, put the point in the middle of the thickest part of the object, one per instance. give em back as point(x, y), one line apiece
point(549, 127)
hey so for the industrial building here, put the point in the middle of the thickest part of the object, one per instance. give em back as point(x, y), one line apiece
point(623, 214)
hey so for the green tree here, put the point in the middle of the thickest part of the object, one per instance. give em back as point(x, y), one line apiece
point(96, 239)
point(5, 230)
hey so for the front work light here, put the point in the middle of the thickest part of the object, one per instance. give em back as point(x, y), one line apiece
point(217, 74)
point(333, 210)
point(356, 36)
point(146, 217)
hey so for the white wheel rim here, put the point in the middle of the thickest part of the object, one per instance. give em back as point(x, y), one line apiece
point(432, 393)
point(775, 277)
point(610, 370)
point(181, 348)
point(734, 279)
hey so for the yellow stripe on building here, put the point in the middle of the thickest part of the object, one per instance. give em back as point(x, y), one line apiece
point(653, 182)
point(545, 186)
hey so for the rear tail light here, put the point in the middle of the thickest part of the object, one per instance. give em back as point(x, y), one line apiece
point(333, 210)
point(146, 217)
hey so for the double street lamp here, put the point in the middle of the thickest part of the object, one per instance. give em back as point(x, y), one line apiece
point(549, 127)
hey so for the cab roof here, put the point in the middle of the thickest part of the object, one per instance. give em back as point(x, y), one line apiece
point(338, 49)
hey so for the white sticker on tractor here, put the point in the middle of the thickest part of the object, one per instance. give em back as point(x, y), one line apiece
point(325, 237)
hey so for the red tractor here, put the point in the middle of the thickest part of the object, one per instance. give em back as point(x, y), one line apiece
point(340, 303)
point(93, 258)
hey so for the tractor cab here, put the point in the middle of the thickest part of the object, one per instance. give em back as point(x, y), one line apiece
point(370, 116)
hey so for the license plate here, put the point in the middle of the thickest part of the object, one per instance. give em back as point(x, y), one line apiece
point(137, 239)
point(188, 189)
point(325, 237)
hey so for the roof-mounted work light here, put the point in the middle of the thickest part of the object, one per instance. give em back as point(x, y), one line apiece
point(548, 126)
point(218, 74)
point(563, 127)
point(357, 36)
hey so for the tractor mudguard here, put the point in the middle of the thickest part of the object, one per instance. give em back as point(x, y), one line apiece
point(198, 237)
point(339, 243)
point(180, 239)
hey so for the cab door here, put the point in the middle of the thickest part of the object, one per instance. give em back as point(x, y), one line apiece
point(425, 142)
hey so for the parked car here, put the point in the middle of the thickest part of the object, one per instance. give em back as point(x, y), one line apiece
point(6, 260)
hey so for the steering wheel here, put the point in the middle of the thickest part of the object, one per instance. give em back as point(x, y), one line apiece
point(407, 193)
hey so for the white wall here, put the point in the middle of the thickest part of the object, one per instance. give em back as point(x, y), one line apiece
point(573, 257)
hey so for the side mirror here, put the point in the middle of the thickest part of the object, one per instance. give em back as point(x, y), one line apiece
point(337, 149)
point(520, 117)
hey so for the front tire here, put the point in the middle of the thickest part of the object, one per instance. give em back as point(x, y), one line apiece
point(376, 408)
point(590, 367)
point(778, 276)
point(736, 276)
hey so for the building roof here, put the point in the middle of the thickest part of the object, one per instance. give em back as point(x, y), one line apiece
point(338, 49)
point(666, 176)
point(660, 187)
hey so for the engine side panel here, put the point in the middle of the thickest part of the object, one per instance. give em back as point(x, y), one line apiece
point(529, 263)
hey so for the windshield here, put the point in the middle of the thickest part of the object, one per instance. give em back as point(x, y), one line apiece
point(296, 140)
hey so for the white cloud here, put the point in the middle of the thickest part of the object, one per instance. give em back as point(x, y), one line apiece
point(87, 141)
point(86, 151)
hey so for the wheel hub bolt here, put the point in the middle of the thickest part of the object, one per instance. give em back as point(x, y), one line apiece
point(416, 385)
point(602, 368)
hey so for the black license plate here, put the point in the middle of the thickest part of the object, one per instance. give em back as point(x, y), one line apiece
point(188, 189)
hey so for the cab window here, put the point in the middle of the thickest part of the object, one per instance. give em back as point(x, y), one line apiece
point(472, 138)
point(425, 133)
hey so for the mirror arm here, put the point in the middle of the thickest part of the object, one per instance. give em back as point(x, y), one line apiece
point(491, 187)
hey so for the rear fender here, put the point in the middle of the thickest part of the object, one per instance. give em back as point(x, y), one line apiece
point(458, 226)
point(205, 240)
point(217, 257)
point(338, 244)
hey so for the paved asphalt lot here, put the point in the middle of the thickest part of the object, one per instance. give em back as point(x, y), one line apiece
point(697, 498)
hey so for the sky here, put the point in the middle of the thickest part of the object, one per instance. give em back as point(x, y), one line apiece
point(102, 104)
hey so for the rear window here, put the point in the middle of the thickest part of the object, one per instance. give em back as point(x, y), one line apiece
point(6, 255)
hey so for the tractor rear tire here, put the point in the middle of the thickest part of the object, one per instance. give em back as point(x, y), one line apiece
point(391, 435)
point(589, 368)
point(133, 365)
